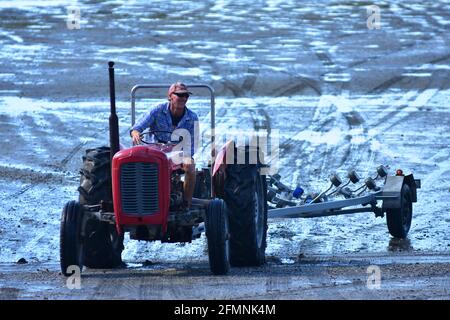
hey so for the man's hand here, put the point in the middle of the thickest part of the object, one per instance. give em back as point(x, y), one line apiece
point(136, 136)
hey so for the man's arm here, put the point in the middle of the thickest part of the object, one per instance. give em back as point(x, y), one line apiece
point(144, 122)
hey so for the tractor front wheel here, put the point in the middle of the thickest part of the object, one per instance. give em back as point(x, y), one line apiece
point(71, 248)
point(217, 233)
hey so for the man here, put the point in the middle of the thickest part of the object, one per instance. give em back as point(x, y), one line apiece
point(170, 116)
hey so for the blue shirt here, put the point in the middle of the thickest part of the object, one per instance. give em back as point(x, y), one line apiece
point(159, 119)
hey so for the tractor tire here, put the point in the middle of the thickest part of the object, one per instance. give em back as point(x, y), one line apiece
point(103, 246)
point(399, 219)
point(245, 193)
point(95, 179)
point(218, 234)
point(70, 244)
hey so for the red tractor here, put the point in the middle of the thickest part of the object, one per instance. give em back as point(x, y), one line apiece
point(139, 190)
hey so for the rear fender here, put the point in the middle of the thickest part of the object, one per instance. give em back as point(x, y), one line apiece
point(218, 173)
point(220, 161)
point(230, 153)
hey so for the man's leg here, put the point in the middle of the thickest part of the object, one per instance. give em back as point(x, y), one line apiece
point(189, 182)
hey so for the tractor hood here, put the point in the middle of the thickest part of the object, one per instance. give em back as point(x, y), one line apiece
point(141, 186)
point(146, 152)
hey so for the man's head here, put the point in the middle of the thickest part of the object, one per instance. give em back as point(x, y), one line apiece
point(178, 94)
point(179, 89)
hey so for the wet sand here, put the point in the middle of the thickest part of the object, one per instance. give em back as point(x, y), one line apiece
point(310, 277)
point(341, 95)
point(240, 49)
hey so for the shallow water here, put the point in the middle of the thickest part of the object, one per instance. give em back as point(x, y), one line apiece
point(242, 48)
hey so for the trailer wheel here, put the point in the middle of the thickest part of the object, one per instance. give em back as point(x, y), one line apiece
point(103, 246)
point(399, 219)
point(217, 233)
point(246, 198)
point(70, 245)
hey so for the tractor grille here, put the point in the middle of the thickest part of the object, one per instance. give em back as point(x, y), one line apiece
point(139, 188)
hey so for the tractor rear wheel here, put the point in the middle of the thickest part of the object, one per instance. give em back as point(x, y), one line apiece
point(399, 219)
point(70, 245)
point(218, 235)
point(95, 179)
point(246, 198)
point(103, 245)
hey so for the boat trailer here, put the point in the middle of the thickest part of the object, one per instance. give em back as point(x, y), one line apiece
point(396, 195)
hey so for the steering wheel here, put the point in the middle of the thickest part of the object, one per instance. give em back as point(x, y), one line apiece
point(148, 131)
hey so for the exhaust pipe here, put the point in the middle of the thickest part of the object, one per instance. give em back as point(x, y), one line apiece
point(113, 120)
